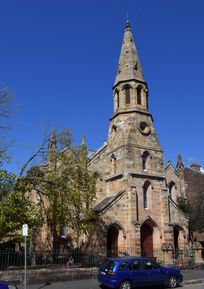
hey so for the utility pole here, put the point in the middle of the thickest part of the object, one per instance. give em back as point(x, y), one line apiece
point(25, 234)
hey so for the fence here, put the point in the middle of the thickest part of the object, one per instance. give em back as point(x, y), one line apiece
point(11, 259)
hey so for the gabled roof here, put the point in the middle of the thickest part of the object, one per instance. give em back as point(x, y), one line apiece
point(178, 209)
point(94, 154)
point(170, 166)
point(107, 202)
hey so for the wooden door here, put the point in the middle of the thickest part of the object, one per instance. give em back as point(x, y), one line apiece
point(112, 242)
point(147, 240)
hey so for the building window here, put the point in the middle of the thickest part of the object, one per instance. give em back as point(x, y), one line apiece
point(145, 200)
point(113, 164)
point(172, 190)
point(127, 95)
point(145, 194)
point(117, 99)
point(139, 95)
point(145, 156)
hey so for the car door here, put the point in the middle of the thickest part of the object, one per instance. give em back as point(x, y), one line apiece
point(135, 274)
point(153, 273)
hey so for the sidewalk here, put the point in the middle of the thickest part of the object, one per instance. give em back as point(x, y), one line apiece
point(190, 277)
point(193, 276)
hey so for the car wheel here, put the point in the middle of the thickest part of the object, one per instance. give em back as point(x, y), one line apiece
point(125, 285)
point(172, 282)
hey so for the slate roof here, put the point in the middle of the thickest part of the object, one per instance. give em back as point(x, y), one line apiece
point(107, 202)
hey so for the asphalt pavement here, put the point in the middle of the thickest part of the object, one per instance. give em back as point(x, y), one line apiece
point(93, 284)
point(192, 279)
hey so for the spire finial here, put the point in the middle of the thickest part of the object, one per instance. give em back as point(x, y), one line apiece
point(179, 164)
point(127, 26)
point(83, 141)
point(127, 18)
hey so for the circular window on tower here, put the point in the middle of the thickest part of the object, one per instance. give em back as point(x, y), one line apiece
point(144, 128)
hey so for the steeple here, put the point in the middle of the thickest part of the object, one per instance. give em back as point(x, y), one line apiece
point(83, 141)
point(130, 89)
point(129, 65)
point(179, 165)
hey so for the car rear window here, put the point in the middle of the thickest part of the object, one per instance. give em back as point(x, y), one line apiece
point(108, 264)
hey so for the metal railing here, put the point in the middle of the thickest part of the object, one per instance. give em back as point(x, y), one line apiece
point(11, 259)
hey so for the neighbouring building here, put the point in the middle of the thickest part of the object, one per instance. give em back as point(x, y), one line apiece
point(194, 180)
point(137, 194)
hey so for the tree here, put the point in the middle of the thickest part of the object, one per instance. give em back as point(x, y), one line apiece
point(6, 183)
point(16, 207)
point(65, 188)
point(15, 211)
point(57, 193)
point(183, 204)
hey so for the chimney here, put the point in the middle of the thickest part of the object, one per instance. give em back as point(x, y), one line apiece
point(196, 167)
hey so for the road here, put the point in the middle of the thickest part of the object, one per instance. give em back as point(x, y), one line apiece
point(91, 284)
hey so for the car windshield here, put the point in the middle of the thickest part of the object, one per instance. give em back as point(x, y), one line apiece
point(107, 264)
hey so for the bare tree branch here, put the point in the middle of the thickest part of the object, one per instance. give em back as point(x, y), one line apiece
point(36, 153)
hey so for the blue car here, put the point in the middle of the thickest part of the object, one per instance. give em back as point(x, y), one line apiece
point(6, 285)
point(130, 272)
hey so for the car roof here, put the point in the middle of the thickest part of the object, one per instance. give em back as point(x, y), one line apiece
point(128, 258)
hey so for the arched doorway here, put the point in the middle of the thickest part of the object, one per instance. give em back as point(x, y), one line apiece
point(176, 237)
point(178, 242)
point(112, 240)
point(147, 239)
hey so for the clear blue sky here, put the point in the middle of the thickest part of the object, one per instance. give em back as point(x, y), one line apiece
point(59, 57)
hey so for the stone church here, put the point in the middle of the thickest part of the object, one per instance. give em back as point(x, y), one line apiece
point(137, 194)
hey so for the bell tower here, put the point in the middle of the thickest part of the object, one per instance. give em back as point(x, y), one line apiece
point(132, 139)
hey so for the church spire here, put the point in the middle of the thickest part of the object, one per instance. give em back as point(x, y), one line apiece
point(179, 165)
point(83, 141)
point(129, 65)
point(130, 90)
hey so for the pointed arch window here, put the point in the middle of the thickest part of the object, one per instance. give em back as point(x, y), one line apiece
point(127, 94)
point(145, 194)
point(145, 156)
point(113, 164)
point(145, 200)
point(139, 95)
point(117, 99)
point(172, 188)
